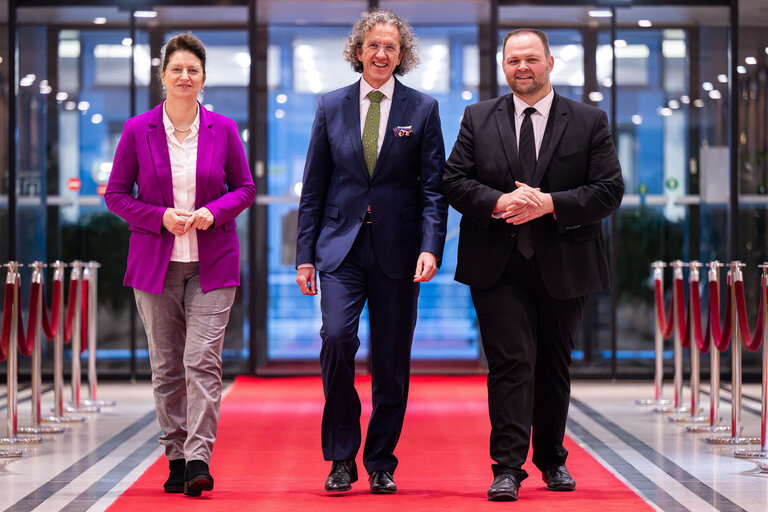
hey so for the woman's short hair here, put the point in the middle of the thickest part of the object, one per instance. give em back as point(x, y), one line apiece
point(186, 42)
point(409, 43)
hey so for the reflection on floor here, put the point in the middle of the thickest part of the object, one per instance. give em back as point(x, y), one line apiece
point(88, 466)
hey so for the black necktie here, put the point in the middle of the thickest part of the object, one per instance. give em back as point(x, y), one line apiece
point(527, 154)
point(527, 147)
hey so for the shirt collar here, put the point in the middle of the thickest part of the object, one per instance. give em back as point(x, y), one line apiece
point(388, 89)
point(543, 106)
point(168, 125)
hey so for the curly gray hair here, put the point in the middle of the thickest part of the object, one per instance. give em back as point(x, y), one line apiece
point(409, 43)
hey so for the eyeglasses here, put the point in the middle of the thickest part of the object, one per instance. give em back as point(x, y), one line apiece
point(375, 46)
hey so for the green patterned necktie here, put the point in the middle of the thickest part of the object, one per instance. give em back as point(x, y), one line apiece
point(371, 131)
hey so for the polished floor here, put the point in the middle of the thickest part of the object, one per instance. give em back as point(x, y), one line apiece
point(90, 464)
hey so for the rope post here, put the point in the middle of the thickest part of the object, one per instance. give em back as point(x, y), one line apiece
point(762, 453)
point(58, 351)
point(79, 273)
point(13, 280)
point(10, 281)
point(714, 368)
point(695, 408)
point(677, 401)
point(36, 399)
point(93, 267)
point(736, 426)
point(658, 376)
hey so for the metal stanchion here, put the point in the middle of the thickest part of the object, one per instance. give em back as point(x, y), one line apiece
point(58, 352)
point(677, 401)
point(762, 453)
point(658, 377)
point(714, 368)
point(736, 426)
point(78, 272)
point(695, 409)
point(93, 266)
point(37, 428)
point(12, 378)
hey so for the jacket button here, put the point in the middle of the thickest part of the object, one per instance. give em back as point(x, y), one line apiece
point(513, 235)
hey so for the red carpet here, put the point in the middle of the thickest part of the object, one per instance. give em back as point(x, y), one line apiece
point(268, 457)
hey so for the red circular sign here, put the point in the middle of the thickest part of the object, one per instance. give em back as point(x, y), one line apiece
point(74, 184)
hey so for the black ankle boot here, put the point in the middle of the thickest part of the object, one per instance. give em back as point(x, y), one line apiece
point(197, 478)
point(175, 482)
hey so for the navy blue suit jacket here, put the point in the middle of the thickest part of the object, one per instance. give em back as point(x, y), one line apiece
point(407, 206)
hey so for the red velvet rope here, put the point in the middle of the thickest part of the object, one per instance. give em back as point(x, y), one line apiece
point(51, 324)
point(5, 332)
point(693, 315)
point(84, 318)
point(27, 343)
point(721, 335)
point(751, 343)
point(666, 322)
point(70, 310)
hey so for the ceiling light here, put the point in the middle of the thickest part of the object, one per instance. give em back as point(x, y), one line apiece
point(722, 78)
point(145, 14)
point(600, 14)
point(707, 86)
point(741, 69)
point(100, 20)
point(644, 23)
point(750, 60)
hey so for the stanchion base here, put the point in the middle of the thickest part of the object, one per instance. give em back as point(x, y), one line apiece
point(41, 430)
point(706, 429)
point(688, 419)
point(733, 440)
point(7, 454)
point(747, 454)
point(63, 419)
point(21, 440)
point(99, 403)
point(671, 408)
point(653, 401)
point(82, 408)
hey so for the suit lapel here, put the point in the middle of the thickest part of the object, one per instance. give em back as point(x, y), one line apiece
point(158, 145)
point(352, 120)
point(396, 112)
point(205, 137)
point(504, 120)
point(558, 119)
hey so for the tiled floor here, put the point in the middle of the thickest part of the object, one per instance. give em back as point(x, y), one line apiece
point(93, 462)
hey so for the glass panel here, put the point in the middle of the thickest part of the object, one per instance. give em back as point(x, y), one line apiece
point(664, 118)
point(446, 327)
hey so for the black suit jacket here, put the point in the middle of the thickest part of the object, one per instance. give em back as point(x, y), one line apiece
point(577, 165)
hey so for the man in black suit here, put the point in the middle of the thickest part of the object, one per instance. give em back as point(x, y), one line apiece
point(531, 249)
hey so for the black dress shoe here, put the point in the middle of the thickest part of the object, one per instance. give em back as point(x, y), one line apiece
point(343, 473)
point(197, 478)
point(504, 488)
point(558, 479)
point(175, 482)
point(382, 482)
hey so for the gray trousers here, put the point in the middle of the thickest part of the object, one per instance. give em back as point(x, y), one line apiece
point(185, 329)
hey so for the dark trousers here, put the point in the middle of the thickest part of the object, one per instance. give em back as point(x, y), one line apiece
point(392, 313)
point(527, 336)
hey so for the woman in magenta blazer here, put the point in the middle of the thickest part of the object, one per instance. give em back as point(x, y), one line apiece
point(192, 180)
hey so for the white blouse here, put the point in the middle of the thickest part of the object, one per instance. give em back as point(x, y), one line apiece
point(183, 173)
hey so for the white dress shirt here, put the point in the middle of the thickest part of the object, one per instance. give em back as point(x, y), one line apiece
point(538, 118)
point(388, 89)
point(183, 174)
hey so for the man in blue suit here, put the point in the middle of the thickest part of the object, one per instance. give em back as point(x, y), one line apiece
point(372, 221)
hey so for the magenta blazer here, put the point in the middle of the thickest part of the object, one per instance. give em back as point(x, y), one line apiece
point(224, 185)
